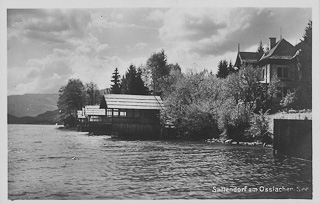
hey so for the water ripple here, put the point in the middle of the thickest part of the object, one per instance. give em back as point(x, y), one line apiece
point(45, 163)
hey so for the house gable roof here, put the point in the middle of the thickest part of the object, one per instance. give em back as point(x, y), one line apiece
point(126, 101)
point(249, 57)
point(282, 50)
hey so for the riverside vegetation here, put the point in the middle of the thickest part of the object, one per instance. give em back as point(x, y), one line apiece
point(231, 104)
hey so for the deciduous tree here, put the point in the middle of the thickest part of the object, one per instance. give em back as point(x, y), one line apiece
point(245, 87)
point(191, 105)
point(157, 70)
point(93, 95)
point(71, 98)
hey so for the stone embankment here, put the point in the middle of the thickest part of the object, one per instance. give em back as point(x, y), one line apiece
point(256, 143)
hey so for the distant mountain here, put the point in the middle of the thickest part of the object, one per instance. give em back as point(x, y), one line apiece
point(49, 117)
point(31, 104)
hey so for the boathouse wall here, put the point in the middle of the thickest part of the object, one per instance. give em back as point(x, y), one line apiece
point(293, 138)
point(130, 116)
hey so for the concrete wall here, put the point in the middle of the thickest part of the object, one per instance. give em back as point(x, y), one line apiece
point(293, 138)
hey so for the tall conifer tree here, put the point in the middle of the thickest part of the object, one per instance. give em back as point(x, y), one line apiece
point(260, 48)
point(115, 87)
point(222, 69)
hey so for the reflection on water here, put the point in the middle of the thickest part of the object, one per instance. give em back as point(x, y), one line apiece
point(47, 163)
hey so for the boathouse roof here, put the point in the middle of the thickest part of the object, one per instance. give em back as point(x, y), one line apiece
point(93, 110)
point(126, 101)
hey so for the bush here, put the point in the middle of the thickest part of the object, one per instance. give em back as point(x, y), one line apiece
point(234, 121)
point(200, 125)
point(299, 98)
point(259, 127)
point(290, 101)
point(70, 121)
point(191, 106)
point(195, 123)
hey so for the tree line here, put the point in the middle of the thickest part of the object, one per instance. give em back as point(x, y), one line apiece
point(230, 104)
point(152, 78)
point(233, 104)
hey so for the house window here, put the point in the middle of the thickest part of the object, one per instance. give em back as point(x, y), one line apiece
point(263, 74)
point(123, 113)
point(115, 112)
point(95, 119)
point(109, 112)
point(283, 72)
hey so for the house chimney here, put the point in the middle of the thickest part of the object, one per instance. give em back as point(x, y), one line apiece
point(272, 42)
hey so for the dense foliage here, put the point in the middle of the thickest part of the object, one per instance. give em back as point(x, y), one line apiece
point(244, 86)
point(259, 127)
point(71, 98)
point(232, 103)
point(132, 83)
point(260, 48)
point(156, 70)
point(225, 69)
point(93, 94)
point(74, 96)
point(303, 89)
point(189, 105)
point(202, 105)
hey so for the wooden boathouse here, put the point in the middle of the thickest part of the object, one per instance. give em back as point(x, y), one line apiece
point(88, 115)
point(127, 116)
point(293, 138)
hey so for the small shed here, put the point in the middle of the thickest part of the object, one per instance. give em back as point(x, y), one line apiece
point(132, 116)
point(89, 116)
point(293, 138)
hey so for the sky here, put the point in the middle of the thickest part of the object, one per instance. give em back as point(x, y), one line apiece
point(47, 47)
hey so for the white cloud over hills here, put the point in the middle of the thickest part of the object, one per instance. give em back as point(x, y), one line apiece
point(46, 47)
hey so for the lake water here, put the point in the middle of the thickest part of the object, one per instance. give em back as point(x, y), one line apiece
point(48, 163)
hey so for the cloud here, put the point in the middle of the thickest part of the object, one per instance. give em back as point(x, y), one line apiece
point(102, 47)
point(190, 24)
point(216, 31)
point(141, 45)
point(116, 15)
point(52, 46)
point(138, 47)
point(200, 38)
point(44, 75)
point(86, 62)
point(156, 15)
point(76, 53)
point(47, 26)
point(204, 31)
point(102, 19)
